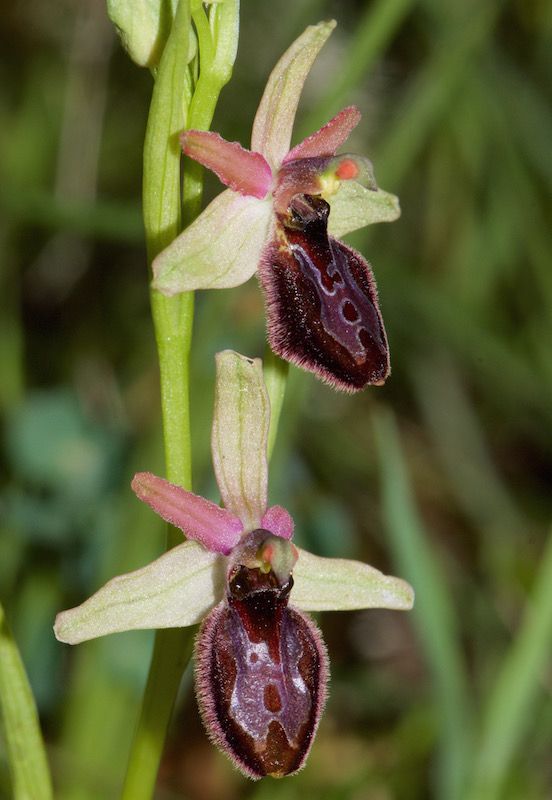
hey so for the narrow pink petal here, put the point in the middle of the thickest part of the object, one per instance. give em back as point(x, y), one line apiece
point(240, 169)
point(329, 138)
point(278, 521)
point(215, 528)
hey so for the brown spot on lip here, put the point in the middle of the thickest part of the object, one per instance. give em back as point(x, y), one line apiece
point(349, 311)
point(272, 700)
point(364, 337)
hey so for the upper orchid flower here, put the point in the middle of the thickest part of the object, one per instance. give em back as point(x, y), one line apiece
point(279, 216)
point(261, 665)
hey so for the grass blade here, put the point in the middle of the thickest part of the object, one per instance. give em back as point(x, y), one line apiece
point(509, 708)
point(433, 610)
point(27, 756)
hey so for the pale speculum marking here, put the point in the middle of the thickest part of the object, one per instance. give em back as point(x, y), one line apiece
point(340, 316)
point(265, 689)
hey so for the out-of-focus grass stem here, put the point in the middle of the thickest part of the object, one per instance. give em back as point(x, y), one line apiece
point(26, 753)
point(433, 611)
point(372, 35)
point(11, 332)
point(507, 712)
point(432, 91)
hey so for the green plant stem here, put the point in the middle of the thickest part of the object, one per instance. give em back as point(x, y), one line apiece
point(173, 108)
point(217, 59)
point(172, 318)
point(507, 712)
point(27, 756)
point(171, 654)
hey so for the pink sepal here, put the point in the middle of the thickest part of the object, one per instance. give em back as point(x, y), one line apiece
point(215, 528)
point(277, 520)
point(329, 138)
point(241, 170)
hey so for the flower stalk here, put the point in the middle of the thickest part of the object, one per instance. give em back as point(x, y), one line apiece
point(238, 573)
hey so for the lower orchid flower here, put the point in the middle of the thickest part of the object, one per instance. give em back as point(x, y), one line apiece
point(280, 216)
point(261, 665)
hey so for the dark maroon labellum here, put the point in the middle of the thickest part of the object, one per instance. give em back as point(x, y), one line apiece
point(322, 307)
point(261, 674)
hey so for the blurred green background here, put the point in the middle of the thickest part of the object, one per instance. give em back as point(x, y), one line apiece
point(443, 476)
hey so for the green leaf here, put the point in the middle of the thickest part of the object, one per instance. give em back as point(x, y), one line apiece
point(27, 757)
point(337, 584)
point(509, 706)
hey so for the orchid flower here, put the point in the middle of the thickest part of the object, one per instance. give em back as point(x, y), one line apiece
point(280, 216)
point(261, 665)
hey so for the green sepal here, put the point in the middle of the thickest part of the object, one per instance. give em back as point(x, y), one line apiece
point(337, 584)
point(175, 590)
point(239, 436)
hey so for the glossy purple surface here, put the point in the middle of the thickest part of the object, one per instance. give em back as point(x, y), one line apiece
point(322, 307)
point(261, 675)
